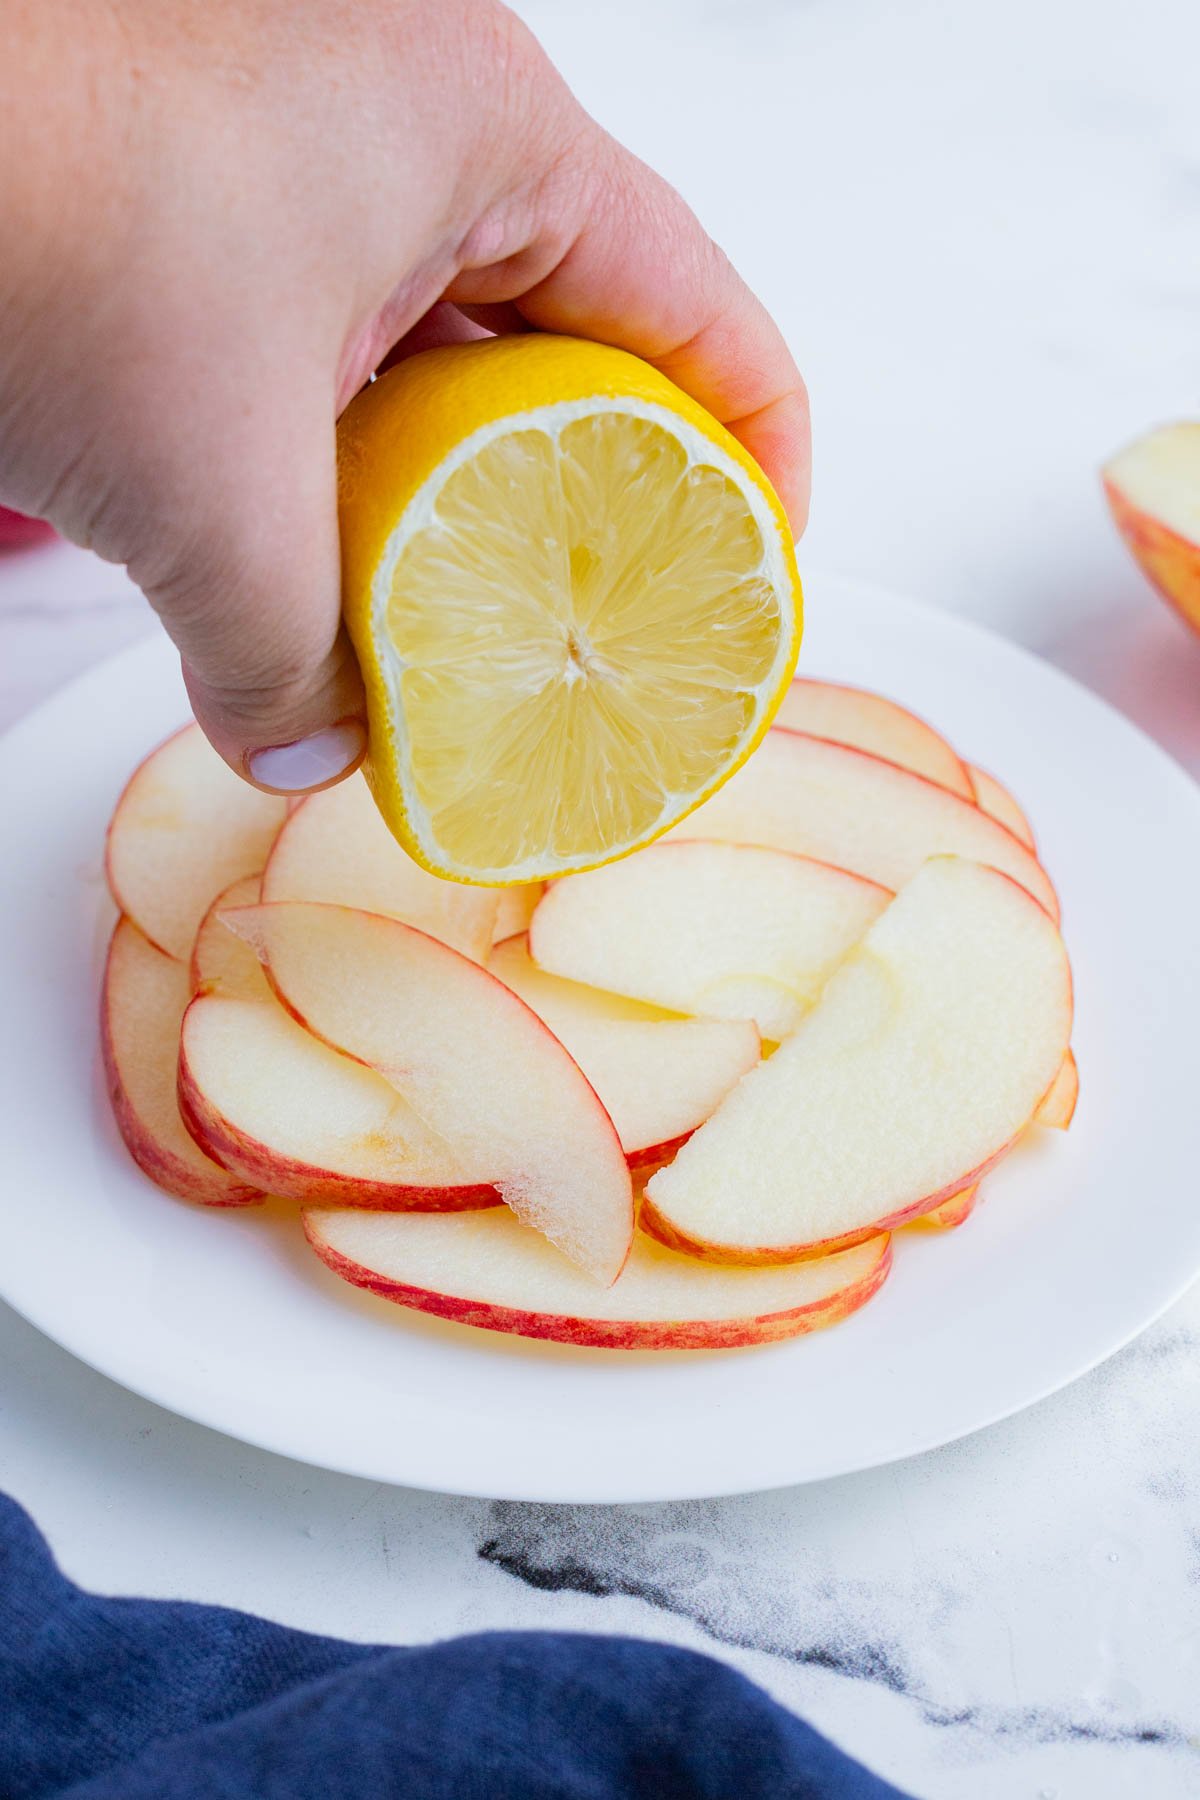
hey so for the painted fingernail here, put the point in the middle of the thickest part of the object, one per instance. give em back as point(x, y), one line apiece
point(310, 762)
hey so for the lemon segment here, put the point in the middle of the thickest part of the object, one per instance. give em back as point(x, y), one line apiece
point(575, 616)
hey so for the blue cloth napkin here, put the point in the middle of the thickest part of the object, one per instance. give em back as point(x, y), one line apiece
point(165, 1700)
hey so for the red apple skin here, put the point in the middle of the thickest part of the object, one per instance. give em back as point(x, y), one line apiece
point(1171, 562)
point(615, 1334)
point(950, 1214)
point(18, 530)
point(255, 1162)
point(1058, 1108)
point(155, 1158)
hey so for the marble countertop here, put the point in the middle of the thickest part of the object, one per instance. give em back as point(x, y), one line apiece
point(980, 227)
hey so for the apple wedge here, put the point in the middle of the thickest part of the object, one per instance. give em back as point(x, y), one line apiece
point(950, 1214)
point(1153, 490)
point(270, 1101)
point(471, 1059)
point(488, 1270)
point(335, 848)
point(927, 1054)
point(1058, 1107)
point(731, 931)
point(866, 721)
point(184, 828)
point(991, 796)
point(143, 1000)
point(858, 812)
point(658, 1077)
point(516, 908)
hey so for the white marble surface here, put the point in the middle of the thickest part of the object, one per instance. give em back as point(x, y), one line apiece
point(980, 226)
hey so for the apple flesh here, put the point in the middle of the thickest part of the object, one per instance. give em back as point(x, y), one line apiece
point(866, 721)
point(658, 1077)
point(926, 1056)
point(991, 796)
point(1058, 1107)
point(184, 828)
point(143, 1000)
point(516, 908)
point(472, 1061)
point(1153, 490)
point(858, 812)
point(335, 848)
point(731, 931)
point(490, 1271)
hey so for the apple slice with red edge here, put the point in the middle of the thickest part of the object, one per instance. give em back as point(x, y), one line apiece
point(844, 807)
point(991, 796)
point(658, 1077)
point(490, 1271)
point(1153, 490)
point(335, 848)
point(272, 1102)
point(950, 1214)
point(926, 1056)
point(731, 931)
point(476, 1065)
point(868, 721)
point(183, 829)
point(1058, 1107)
point(144, 995)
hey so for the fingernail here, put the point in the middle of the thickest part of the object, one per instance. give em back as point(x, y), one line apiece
point(310, 762)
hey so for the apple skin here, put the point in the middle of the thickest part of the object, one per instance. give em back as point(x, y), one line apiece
point(1058, 1108)
point(1169, 560)
point(950, 1214)
point(613, 1334)
point(18, 530)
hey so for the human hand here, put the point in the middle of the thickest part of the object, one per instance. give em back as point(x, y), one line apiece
point(223, 217)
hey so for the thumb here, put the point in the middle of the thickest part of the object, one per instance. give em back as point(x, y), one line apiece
point(245, 575)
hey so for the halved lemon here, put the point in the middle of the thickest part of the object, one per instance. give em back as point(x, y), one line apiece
point(573, 596)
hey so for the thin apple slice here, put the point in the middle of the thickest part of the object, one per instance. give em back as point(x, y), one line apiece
point(658, 1077)
point(867, 721)
point(517, 907)
point(184, 828)
point(991, 796)
point(220, 961)
point(731, 931)
point(145, 993)
point(950, 1214)
point(488, 1270)
point(471, 1059)
point(858, 812)
point(1058, 1107)
point(925, 1057)
point(336, 848)
point(1153, 490)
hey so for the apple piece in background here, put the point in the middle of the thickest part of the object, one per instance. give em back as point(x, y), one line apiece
point(143, 1000)
point(476, 1065)
point(867, 721)
point(729, 931)
point(950, 1214)
point(1153, 490)
point(924, 1059)
point(858, 812)
point(490, 1271)
point(658, 1077)
point(517, 907)
point(220, 961)
point(992, 797)
point(18, 531)
point(184, 828)
point(336, 849)
point(1058, 1107)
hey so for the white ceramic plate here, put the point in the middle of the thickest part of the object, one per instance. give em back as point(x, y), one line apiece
point(226, 1318)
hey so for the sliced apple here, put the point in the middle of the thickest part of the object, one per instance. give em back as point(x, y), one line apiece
point(336, 848)
point(482, 1070)
point(866, 721)
point(145, 993)
point(488, 1270)
point(732, 931)
point(221, 962)
point(1153, 490)
point(950, 1214)
point(516, 908)
point(927, 1054)
point(184, 828)
point(658, 1077)
point(1058, 1107)
point(991, 796)
point(858, 812)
